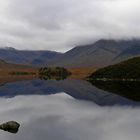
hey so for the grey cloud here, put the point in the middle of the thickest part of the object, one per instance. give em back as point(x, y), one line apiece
point(49, 24)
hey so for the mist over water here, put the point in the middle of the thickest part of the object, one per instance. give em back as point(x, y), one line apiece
point(61, 117)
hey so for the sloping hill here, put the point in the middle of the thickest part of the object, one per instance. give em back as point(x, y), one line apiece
point(128, 53)
point(12, 55)
point(99, 54)
point(9, 68)
point(129, 69)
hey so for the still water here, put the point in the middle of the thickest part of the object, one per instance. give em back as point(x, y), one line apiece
point(71, 110)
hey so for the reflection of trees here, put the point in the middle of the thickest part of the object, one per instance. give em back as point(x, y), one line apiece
point(58, 73)
point(127, 89)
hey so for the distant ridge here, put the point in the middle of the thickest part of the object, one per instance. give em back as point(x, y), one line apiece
point(27, 57)
point(7, 48)
point(98, 54)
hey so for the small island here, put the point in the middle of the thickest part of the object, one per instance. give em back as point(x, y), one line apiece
point(58, 73)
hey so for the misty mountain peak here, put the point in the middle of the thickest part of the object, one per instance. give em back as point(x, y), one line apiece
point(8, 48)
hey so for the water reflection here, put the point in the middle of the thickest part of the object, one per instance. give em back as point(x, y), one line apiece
point(61, 117)
point(68, 110)
point(127, 89)
point(78, 89)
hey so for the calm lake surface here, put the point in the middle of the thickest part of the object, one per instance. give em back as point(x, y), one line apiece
point(71, 110)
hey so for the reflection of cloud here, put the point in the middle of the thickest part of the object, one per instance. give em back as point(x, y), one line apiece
point(60, 117)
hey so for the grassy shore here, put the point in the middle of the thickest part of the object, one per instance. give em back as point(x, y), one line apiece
point(13, 72)
point(81, 73)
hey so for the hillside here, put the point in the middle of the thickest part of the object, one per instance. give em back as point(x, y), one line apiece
point(8, 72)
point(27, 57)
point(80, 73)
point(128, 53)
point(129, 69)
point(9, 68)
point(99, 54)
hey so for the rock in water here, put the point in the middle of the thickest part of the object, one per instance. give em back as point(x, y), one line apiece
point(10, 126)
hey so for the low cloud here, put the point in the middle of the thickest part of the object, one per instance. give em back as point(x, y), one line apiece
point(49, 24)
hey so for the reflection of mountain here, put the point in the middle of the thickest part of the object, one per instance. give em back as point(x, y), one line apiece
point(130, 90)
point(75, 88)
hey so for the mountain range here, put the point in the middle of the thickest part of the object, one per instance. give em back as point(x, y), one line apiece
point(27, 57)
point(99, 54)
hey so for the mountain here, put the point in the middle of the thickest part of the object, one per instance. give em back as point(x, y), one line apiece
point(98, 54)
point(128, 53)
point(2, 62)
point(12, 55)
point(129, 69)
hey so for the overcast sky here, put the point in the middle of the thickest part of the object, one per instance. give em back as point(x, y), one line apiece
point(62, 24)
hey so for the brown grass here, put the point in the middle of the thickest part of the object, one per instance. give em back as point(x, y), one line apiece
point(81, 73)
point(7, 69)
